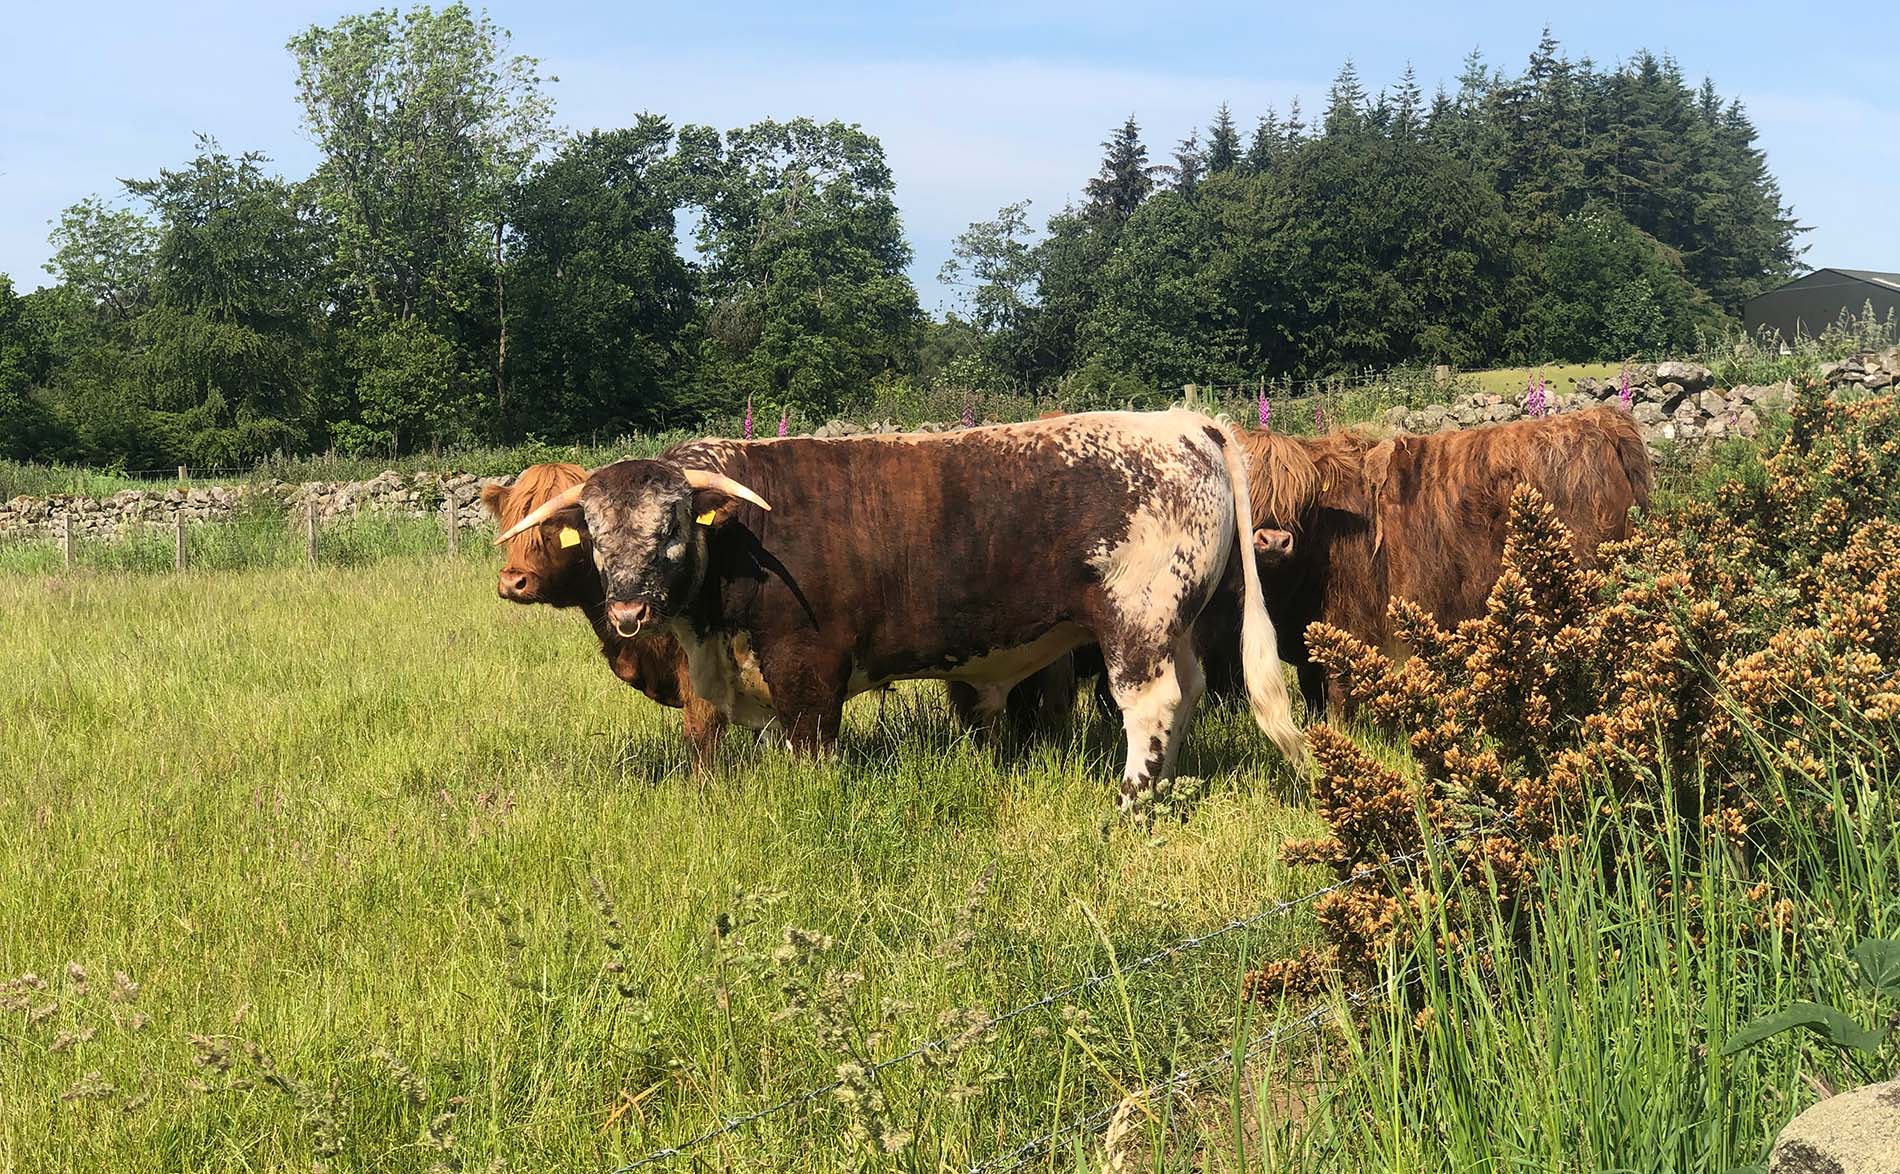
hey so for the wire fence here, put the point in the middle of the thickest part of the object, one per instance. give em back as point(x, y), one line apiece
point(1180, 1080)
point(1060, 994)
point(62, 542)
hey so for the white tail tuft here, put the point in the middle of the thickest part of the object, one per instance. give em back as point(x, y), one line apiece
point(1259, 644)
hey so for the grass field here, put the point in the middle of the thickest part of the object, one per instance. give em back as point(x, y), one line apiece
point(360, 868)
point(367, 822)
point(1512, 381)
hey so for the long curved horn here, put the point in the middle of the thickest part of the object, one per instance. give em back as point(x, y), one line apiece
point(706, 479)
point(544, 511)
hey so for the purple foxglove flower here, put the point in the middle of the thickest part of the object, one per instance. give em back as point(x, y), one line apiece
point(785, 422)
point(1266, 411)
point(748, 417)
point(969, 412)
point(1319, 418)
point(1623, 389)
point(1534, 398)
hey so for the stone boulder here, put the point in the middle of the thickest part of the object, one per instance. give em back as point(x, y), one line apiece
point(1692, 376)
point(1856, 1132)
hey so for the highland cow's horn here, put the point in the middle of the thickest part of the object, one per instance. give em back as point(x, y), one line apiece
point(544, 511)
point(707, 479)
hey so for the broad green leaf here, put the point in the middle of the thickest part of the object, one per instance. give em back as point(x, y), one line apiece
point(1825, 1022)
point(1879, 962)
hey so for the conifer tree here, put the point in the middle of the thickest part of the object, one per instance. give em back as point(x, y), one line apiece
point(1189, 166)
point(1126, 177)
point(1345, 102)
point(1266, 145)
point(1295, 124)
point(1223, 142)
point(1406, 112)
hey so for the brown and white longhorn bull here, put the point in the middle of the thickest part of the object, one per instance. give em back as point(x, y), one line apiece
point(978, 556)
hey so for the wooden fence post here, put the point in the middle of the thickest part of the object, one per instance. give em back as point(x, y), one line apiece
point(310, 529)
point(66, 540)
point(184, 474)
point(179, 562)
point(448, 508)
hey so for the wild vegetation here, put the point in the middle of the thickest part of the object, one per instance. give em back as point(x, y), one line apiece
point(442, 897)
point(458, 271)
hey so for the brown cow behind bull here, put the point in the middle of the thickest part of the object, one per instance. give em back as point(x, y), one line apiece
point(553, 564)
point(1424, 518)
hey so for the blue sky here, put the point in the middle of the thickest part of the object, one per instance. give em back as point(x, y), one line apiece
point(977, 104)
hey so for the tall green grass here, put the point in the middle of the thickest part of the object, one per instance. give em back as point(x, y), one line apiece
point(37, 480)
point(376, 847)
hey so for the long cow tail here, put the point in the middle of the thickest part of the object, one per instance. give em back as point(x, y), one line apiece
point(1259, 645)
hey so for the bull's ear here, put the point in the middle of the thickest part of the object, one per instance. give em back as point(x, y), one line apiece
point(493, 494)
point(1378, 464)
point(713, 507)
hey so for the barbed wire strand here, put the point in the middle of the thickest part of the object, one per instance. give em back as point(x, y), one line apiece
point(1184, 1078)
point(1278, 909)
point(119, 525)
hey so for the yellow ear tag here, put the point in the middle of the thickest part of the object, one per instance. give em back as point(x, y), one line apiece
point(706, 518)
point(570, 536)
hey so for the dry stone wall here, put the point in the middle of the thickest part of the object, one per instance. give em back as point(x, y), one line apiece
point(1671, 402)
point(389, 494)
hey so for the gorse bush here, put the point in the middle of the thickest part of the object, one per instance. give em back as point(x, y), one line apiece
point(1720, 658)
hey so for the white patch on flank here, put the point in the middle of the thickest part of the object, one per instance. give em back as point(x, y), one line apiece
point(1167, 562)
